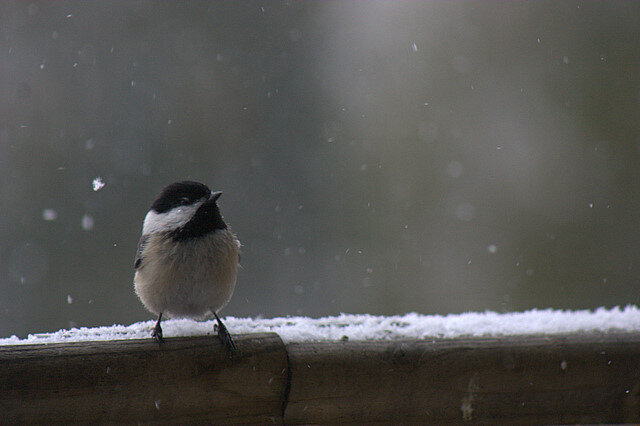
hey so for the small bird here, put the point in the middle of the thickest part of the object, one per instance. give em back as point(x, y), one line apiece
point(187, 258)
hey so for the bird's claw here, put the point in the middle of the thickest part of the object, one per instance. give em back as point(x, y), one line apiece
point(224, 336)
point(156, 333)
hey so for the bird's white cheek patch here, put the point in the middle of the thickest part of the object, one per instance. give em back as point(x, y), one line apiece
point(169, 221)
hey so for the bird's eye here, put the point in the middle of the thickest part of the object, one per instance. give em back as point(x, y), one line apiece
point(184, 200)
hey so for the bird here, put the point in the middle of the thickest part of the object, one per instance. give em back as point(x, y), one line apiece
point(187, 259)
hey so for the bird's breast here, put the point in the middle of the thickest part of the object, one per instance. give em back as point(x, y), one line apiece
point(188, 278)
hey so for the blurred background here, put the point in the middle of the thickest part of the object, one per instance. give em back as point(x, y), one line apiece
point(375, 157)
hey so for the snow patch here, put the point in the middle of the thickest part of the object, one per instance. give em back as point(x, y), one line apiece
point(370, 327)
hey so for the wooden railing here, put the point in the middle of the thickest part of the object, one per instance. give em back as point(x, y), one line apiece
point(592, 378)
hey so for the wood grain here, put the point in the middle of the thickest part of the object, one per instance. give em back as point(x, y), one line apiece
point(581, 378)
point(186, 380)
point(559, 380)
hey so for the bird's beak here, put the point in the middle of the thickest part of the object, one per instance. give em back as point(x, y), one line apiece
point(215, 195)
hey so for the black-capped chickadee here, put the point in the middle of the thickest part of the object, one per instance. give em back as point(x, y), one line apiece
point(187, 257)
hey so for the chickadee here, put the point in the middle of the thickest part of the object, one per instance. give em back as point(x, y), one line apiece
point(187, 257)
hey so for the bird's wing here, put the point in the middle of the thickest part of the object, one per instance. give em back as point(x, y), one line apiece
point(138, 262)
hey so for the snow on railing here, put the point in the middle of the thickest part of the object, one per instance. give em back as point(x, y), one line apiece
point(370, 327)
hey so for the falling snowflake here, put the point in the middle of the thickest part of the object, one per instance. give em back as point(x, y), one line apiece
point(97, 184)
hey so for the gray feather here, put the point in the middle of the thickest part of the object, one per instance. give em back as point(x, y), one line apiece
point(143, 241)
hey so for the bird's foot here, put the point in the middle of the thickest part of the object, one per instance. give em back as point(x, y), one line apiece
point(156, 333)
point(224, 336)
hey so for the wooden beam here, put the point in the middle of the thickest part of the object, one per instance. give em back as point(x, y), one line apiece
point(186, 380)
point(529, 379)
point(583, 378)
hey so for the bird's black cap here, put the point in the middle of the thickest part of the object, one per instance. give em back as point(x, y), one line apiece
point(180, 194)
